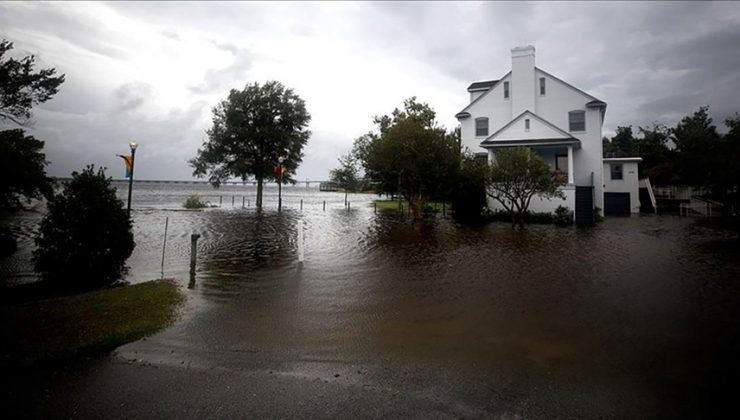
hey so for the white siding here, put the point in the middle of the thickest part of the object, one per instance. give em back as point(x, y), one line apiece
point(628, 184)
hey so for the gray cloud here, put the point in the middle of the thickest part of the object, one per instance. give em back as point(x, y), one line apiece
point(132, 95)
point(652, 62)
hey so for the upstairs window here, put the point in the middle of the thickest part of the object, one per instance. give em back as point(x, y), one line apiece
point(542, 85)
point(577, 121)
point(616, 170)
point(526, 124)
point(506, 90)
point(481, 127)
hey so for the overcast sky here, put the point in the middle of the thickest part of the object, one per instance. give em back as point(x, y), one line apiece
point(152, 72)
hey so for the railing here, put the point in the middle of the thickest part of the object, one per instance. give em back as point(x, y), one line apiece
point(678, 192)
point(706, 208)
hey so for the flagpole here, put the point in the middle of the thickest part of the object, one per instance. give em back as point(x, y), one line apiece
point(133, 146)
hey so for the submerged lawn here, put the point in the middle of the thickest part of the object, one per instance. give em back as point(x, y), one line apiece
point(393, 205)
point(60, 328)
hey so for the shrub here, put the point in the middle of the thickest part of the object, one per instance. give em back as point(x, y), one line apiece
point(529, 217)
point(85, 238)
point(193, 202)
point(468, 195)
point(563, 216)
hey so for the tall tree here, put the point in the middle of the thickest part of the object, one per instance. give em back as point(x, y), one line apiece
point(252, 129)
point(21, 87)
point(410, 156)
point(22, 161)
point(622, 144)
point(696, 141)
point(22, 169)
point(518, 175)
point(657, 158)
point(346, 176)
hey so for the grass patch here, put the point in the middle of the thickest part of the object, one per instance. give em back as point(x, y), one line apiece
point(65, 327)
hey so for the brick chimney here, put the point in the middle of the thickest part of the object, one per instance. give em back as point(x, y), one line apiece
point(522, 80)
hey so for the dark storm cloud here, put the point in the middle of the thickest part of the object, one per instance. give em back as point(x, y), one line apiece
point(234, 75)
point(131, 95)
point(651, 62)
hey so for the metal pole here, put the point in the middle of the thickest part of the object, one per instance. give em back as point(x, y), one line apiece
point(243, 198)
point(220, 200)
point(348, 203)
point(301, 204)
point(131, 181)
point(280, 195)
point(232, 201)
point(324, 205)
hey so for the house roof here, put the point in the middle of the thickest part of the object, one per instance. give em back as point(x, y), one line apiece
point(483, 85)
point(480, 97)
point(560, 137)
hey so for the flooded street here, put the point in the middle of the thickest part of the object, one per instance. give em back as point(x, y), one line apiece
point(635, 317)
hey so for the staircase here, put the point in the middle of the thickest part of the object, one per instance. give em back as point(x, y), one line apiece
point(585, 205)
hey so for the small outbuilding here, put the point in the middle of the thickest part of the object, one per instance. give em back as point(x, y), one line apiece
point(621, 186)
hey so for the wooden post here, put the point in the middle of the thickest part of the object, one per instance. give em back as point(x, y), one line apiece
point(300, 241)
point(193, 256)
point(324, 205)
point(232, 201)
point(444, 209)
point(220, 200)
point(375, 206)
point(301, 204)
point(164, 242)
point(243, 198)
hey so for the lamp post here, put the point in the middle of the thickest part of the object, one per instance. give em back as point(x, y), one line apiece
point(133, 146)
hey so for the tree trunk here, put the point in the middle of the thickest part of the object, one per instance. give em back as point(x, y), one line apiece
point(345, 197)
point(258, 201)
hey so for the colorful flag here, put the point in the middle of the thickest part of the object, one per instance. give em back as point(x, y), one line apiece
point(129, 163)
point(280, 170)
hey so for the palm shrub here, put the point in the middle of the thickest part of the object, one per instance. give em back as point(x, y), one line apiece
point(85, 237)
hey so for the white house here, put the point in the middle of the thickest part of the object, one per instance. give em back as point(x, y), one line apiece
point(530, 107)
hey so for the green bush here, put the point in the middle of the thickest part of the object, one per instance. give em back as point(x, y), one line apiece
point(85, 238)
point(563, 216)
point(193, 202)
point(529, 217)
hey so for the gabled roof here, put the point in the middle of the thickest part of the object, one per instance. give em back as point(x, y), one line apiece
point(481, 96)
point(557, 129)
point(552, 135)
point(484, 85)
point(571, 86)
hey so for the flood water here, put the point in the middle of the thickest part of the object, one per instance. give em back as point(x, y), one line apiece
point(639, 310)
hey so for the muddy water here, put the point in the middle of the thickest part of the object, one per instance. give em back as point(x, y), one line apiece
point(645, 307)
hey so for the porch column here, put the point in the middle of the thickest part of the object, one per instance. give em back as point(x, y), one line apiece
point(570, 165)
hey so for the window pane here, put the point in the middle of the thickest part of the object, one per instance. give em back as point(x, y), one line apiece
point(616, 169)
point(526, 124)
point(481, 126)
point(542, 85)
point(577, 120)
point(506, 89)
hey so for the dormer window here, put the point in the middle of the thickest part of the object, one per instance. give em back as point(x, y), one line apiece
point(481, 127)
point(506, 90)
point(526, 124)
point(577, 121)
point(542, 85)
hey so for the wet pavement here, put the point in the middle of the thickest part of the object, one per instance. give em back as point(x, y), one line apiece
point(637, 317)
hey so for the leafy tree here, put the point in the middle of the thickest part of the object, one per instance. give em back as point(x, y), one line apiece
point(468, 195)
point(622, 144)
point(410, 155)
point(85, 237)
point(518, 175)
point(346, 176)
point(21, 87)
point(252, 129)
point(657, 158)
point(22, 169)
point(696, 141)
